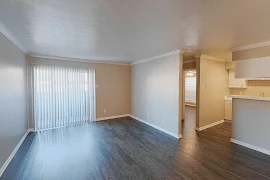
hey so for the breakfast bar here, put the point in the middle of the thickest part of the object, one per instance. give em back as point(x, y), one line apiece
point(251, 122)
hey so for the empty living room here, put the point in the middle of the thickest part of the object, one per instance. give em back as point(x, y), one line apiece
point(120, 89)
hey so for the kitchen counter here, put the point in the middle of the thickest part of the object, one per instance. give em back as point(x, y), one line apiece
point(227, 98)
point(251, 98)
point(250, 122)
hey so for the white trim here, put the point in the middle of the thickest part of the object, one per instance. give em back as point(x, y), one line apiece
point(189, 61)
point(209, 125)
point(256, 148)
point(156, 127)
point(112, 117)
point(12, 38)
point(157, 57)
point(31, 130)
point(213, 58)
point(255, 59)
point(228, 121)
point(251, 46)
point(3, 168)
point(76, 59)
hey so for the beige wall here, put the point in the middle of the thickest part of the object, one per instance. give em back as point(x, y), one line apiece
point(220, 55)
point(251, 53)
point(113, 93)
point(213, 83)
point(155, 93)
point(255, 87)
point(113, 85)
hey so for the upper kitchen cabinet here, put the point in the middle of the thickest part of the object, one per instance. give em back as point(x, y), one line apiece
point(257, 68)
point(236, 82)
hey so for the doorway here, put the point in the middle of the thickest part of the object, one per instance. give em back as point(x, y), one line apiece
point(190, 90)
point(190, 87)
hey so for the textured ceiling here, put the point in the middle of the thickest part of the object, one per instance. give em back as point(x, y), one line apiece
point(130, 30)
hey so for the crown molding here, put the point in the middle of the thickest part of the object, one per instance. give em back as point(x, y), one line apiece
point(251, 46)
point(76, 59)
point(253, 59)
point(157, 57)
point(189, 61)
point(213, 58)
point(12, 38)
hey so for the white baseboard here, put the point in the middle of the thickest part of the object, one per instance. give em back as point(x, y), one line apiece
point(3, 168)
point(256, 148)
point(228, 121)
point(112, 117)
point(31, 130)
point(156, 127)
point(209, 125)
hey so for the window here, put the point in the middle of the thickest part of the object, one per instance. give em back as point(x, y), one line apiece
point(63, 96)
point(190, 87)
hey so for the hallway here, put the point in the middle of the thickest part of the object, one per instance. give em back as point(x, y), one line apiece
point(190, 118)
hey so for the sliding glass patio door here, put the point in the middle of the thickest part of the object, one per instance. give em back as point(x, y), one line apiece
point(63, 96)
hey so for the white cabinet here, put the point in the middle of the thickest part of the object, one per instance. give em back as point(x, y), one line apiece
point(236, 82)
point(253, 68)
point(228, 110)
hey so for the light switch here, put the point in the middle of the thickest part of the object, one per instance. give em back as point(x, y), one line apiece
point(203, 86)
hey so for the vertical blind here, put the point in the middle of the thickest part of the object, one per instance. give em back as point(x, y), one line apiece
point(190, 89)
point(63, 96)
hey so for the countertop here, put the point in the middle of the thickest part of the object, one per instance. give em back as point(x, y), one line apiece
point(250, 98)
point(227, 98)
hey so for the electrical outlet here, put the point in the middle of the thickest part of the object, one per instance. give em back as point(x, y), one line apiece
point(163, 121)
point(105, 110)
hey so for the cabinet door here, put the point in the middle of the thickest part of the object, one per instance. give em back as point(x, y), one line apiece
point(236, 83)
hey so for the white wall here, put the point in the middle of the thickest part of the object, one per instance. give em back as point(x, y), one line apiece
point(155, 92)
point(13, 106)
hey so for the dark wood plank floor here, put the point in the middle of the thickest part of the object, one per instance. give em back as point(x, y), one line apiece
point(127, 149)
